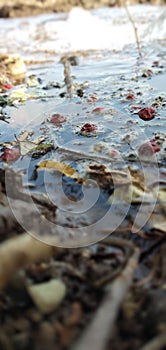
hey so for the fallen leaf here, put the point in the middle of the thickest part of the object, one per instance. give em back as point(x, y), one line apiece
point(19, 96)
point(23, 136)
point(61, 167)
point(26, 147)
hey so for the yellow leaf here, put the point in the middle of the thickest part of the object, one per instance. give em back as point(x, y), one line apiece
point(61, 167)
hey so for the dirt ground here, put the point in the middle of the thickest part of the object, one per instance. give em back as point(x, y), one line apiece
point(18, 8)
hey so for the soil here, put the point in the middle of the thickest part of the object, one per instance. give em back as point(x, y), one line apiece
point(19, 8)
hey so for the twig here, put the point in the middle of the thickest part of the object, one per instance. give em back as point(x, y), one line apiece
point(17, 252)
point(122, 244)
point(134, 28)
point(101, 328)
point(67, 76)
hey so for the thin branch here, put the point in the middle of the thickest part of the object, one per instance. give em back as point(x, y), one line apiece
point(102, 326)
point(134, 28)
point(67, 76)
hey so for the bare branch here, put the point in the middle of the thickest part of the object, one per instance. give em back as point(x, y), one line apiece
point(134, 28)
point(101, 328)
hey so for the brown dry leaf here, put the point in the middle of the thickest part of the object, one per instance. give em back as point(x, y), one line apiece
point(61, 167)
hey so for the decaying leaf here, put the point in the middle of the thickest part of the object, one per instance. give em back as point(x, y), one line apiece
point(61, 167)
point(27, 146)
point(24, 136)
point(19, 96)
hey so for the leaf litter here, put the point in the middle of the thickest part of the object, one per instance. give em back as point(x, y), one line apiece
point(120, 279)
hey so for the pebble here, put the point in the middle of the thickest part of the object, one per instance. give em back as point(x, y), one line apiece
point(47, 296)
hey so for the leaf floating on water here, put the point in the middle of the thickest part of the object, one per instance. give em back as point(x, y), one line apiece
point(24, 136)
point(26, 147)
point(19, 96)
point(61, 167)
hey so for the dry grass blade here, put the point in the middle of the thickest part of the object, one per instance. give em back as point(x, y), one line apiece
point(101, 328)
point(18, 252)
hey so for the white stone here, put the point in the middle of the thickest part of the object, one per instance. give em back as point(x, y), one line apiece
point(47, 296)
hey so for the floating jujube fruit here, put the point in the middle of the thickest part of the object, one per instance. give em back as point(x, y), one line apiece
point(10, 155)
point(147, 113)
point(57, 119)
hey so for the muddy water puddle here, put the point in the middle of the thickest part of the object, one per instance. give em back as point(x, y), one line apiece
point(77, 148)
